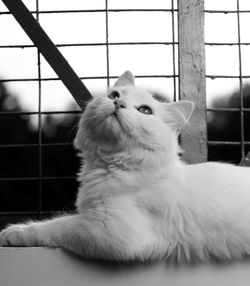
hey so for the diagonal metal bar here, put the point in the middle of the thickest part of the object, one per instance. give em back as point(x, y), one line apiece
point(49, 51)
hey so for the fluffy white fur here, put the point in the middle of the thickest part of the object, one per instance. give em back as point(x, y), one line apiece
point(137, 200)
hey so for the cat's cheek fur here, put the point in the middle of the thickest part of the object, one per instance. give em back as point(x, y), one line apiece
point(155, 135)
point(141, 129)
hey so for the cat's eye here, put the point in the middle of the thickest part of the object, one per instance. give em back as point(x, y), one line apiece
point(145, 109)
point(114, 95)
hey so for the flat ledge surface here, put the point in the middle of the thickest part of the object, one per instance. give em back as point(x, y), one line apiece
point(39, 266)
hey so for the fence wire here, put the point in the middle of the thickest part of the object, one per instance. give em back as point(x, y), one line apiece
point(241, 110)
point(41, 178)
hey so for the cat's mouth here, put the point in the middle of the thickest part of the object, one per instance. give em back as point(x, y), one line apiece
point(115, 115)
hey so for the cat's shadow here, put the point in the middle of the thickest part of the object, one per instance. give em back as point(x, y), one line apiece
point(116, 266)
point(108, 265)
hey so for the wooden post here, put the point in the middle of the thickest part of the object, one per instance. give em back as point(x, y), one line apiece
point(192, 84)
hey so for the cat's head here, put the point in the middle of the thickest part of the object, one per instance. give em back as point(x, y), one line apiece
point(130, 117)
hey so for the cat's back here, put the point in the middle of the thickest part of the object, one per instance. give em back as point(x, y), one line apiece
point(225, 182)
point(215, 172)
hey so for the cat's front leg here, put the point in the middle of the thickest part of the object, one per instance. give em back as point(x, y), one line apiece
point(18, 235)
point(84, 235)
point(55, 232)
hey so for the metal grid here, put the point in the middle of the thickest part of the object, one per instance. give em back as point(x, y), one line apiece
point(241, 109)
point(40, 144)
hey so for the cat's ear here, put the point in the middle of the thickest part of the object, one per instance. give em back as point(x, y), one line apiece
point(125, 79)
point(177, 114)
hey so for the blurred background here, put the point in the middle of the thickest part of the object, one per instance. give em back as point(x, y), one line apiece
point(101, 39)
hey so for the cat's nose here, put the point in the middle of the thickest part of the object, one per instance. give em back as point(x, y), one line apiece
point(119, 103)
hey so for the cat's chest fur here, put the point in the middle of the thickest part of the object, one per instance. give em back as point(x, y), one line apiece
point(150, 192)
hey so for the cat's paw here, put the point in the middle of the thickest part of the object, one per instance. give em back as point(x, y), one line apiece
point(16, 235)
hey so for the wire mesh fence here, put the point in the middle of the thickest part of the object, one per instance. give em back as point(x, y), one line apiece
point(38, 177)
point(100, 39)
point(231, 142)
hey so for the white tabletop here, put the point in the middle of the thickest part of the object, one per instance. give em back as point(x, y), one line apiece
point(38, 266)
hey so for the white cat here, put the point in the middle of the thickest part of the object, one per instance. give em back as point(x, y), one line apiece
point(137, 200)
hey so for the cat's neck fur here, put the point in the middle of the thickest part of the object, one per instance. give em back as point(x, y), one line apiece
point(129, 159)
point(109, 174)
